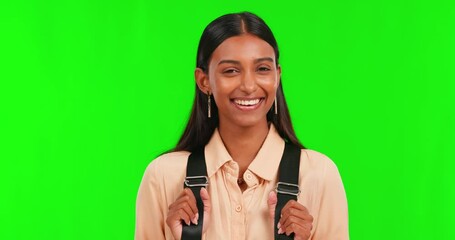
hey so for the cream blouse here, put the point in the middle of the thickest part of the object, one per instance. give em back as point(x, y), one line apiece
point(238, 215)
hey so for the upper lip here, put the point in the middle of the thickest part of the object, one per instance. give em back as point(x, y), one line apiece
point(247, 99)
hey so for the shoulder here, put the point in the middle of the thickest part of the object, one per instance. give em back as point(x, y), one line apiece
point(317, 163)
point(170, 159)
point(315, 158)
point(168, 163)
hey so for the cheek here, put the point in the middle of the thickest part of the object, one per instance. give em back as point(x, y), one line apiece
point(220, 91)
point(222, 86)
point(268, 83)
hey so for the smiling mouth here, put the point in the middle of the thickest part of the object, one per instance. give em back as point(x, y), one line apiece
point(247, 103)
point(251, 102)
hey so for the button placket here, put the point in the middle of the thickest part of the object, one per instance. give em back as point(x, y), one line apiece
point(237, 207)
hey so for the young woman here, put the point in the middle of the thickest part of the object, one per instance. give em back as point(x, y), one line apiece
point(241, 119)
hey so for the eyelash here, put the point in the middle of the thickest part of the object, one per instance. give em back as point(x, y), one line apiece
point(230, 71)
point(259, 69)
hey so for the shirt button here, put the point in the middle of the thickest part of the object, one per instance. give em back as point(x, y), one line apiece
point(249, 177)
point(238, 208)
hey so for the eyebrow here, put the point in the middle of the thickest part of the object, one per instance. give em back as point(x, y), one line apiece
point(264, 59)
point(229, 61)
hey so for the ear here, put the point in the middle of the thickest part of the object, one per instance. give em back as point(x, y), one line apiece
point(278, 70)
point(202, 80)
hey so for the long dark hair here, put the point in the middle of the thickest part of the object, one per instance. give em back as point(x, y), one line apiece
point(200, 128)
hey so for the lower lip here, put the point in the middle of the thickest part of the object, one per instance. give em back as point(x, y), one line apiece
point(249, 107)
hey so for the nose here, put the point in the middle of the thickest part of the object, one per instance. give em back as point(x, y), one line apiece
point(248, 83)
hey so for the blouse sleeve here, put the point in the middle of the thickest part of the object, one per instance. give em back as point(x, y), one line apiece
point(150, 219)
point(333, 212)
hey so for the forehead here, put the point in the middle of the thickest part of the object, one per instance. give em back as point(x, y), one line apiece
point(242, 48)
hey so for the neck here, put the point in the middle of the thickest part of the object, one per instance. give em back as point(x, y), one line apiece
point(243, 143)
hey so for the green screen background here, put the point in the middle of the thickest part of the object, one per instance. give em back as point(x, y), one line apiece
point(92, 91)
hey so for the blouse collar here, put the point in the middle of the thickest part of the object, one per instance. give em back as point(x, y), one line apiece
point(264, 165)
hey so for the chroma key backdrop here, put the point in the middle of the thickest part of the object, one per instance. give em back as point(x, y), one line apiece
point(92, 91)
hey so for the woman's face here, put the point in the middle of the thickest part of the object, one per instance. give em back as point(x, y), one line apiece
point(243, 78)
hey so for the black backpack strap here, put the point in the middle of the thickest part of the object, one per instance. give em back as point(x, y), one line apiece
point(196, 179)
point(287, 187)
point(288, 184)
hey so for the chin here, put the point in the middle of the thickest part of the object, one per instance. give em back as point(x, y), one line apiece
point(249, 121)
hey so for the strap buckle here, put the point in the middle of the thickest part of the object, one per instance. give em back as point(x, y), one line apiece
point(197, 181)
point(287, 188)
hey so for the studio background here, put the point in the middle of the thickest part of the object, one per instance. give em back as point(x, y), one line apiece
point(92, 91)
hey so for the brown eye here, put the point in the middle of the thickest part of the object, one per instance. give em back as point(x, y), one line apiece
point(263, 69)
point(230, 71)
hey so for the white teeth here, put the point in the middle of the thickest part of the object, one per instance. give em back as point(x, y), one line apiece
point(247, 102)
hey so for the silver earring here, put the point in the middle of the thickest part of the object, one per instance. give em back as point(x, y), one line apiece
point(276, 107)
point(209, 105)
